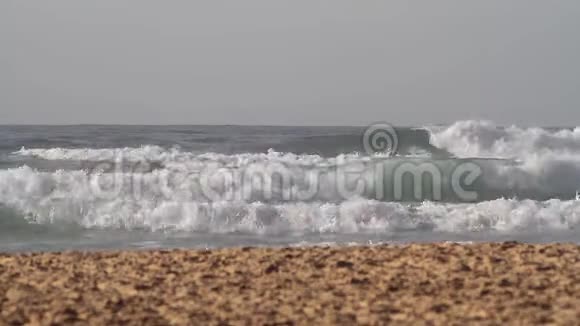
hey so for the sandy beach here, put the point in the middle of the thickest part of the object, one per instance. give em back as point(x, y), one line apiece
point(428, 283)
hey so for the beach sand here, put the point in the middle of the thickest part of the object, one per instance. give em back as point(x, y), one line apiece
point(438, 283)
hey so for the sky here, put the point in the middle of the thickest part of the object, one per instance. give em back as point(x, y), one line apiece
point(300, 62)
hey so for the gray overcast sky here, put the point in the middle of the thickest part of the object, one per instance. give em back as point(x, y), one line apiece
point(294, 62)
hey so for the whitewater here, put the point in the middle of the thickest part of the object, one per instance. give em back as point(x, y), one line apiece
point(91, 187)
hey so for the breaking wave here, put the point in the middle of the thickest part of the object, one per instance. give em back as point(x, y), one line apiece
point(484, 139)
point(62, 198)
point(528, 180)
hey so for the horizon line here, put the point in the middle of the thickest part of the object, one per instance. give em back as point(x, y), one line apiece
point(192, 125)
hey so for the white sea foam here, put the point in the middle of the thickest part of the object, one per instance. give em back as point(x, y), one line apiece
point(549, 160)
point(64, 197)
point(169, 196)
point(159, 154)
point(488, 140)
point(144, 153)
point(545, 174)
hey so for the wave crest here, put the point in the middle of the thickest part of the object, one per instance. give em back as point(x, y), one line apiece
point(485, 139)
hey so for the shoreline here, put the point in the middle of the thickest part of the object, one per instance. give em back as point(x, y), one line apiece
point(440, 282)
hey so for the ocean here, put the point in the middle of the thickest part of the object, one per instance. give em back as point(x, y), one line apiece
point(91, 187)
